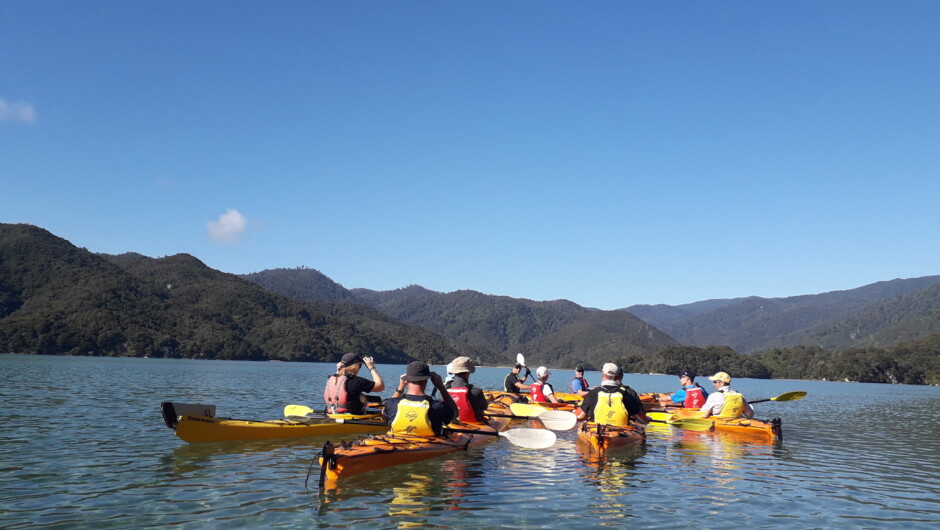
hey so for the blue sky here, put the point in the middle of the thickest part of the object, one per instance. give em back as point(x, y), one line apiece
point(608, 153)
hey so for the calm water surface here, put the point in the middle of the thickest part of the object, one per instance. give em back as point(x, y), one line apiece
point(83, 444)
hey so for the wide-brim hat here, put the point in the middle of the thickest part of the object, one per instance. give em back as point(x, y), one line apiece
point(461, 365)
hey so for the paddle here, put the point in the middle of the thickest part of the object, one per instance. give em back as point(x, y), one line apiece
point(527, 438)
point(556, 420)
point(690, 424)
point(298, 410)
point(528, 411)
point(788, 396)
point(528, 373)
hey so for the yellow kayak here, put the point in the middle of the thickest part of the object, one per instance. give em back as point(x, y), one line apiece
point(197, 427)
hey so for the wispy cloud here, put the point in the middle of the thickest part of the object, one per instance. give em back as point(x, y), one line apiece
point(18, 111)
point(229, 228)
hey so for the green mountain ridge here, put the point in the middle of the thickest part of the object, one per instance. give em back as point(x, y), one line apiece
point(58, 299)
point(558, 333)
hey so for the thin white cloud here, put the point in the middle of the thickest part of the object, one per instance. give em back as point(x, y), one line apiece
point(18, 111)
point(229, 228)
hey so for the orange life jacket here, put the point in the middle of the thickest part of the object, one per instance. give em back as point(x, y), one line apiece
point(337, 402)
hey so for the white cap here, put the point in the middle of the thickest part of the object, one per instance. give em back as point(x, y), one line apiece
point(610, 369)
point(542, 372)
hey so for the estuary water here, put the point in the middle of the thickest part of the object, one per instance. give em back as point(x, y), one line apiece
point(83, 444)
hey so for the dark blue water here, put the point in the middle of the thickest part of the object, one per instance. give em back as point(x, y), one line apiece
point(83, 444)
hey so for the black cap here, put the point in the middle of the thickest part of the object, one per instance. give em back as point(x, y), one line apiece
point(350, 359)
point(517, 365)
point(417, 371)
point(579, 368)
point(689, 374)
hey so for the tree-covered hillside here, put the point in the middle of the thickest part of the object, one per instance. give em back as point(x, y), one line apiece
point(916, 362)
point(301, 284)
point(557, 333)
point(56, 298)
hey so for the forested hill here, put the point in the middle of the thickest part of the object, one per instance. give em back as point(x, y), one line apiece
point(556, 333)
point(56, 298)
point(880, 314)
point(302, 284)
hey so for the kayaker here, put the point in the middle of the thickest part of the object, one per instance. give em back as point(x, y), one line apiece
point(690, 396)
point(579, 384)
point(724, 402)
point(344, 389)
point(612, 403)
point(540, 391)
point(470, 400)
point(513, 383)
point(410, 411)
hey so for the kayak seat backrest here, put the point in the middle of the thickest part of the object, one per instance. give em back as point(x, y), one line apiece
point(172, 411)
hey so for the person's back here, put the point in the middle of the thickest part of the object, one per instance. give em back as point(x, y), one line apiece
point(610, 406)
point(541, 391)
point(344, 390)
point(611, 403)
point(414, 413)
point(471, 402)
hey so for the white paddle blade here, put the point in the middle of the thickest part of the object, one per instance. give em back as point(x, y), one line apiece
point(530, 438)
point(558, 420)
point(520, 359)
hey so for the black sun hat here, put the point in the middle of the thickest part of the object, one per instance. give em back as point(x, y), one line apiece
point(417, 371)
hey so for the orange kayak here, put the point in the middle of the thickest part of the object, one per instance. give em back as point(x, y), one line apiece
point(379, 452)
point(599, 438)
point(771, 430)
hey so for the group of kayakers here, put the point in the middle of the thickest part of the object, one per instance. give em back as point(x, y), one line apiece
point(722, 402)
point(411, 411)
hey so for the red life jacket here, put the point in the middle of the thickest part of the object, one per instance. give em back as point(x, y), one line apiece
point(461, 396)
point(694, 397)
point(535, 389)
point(335, 394)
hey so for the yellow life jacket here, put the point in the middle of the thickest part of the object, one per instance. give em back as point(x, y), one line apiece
point(610, 409)
point(412, 418)
point(733, 406)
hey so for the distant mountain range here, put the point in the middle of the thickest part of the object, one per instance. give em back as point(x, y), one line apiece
point(881, 314)
point(57, 298)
